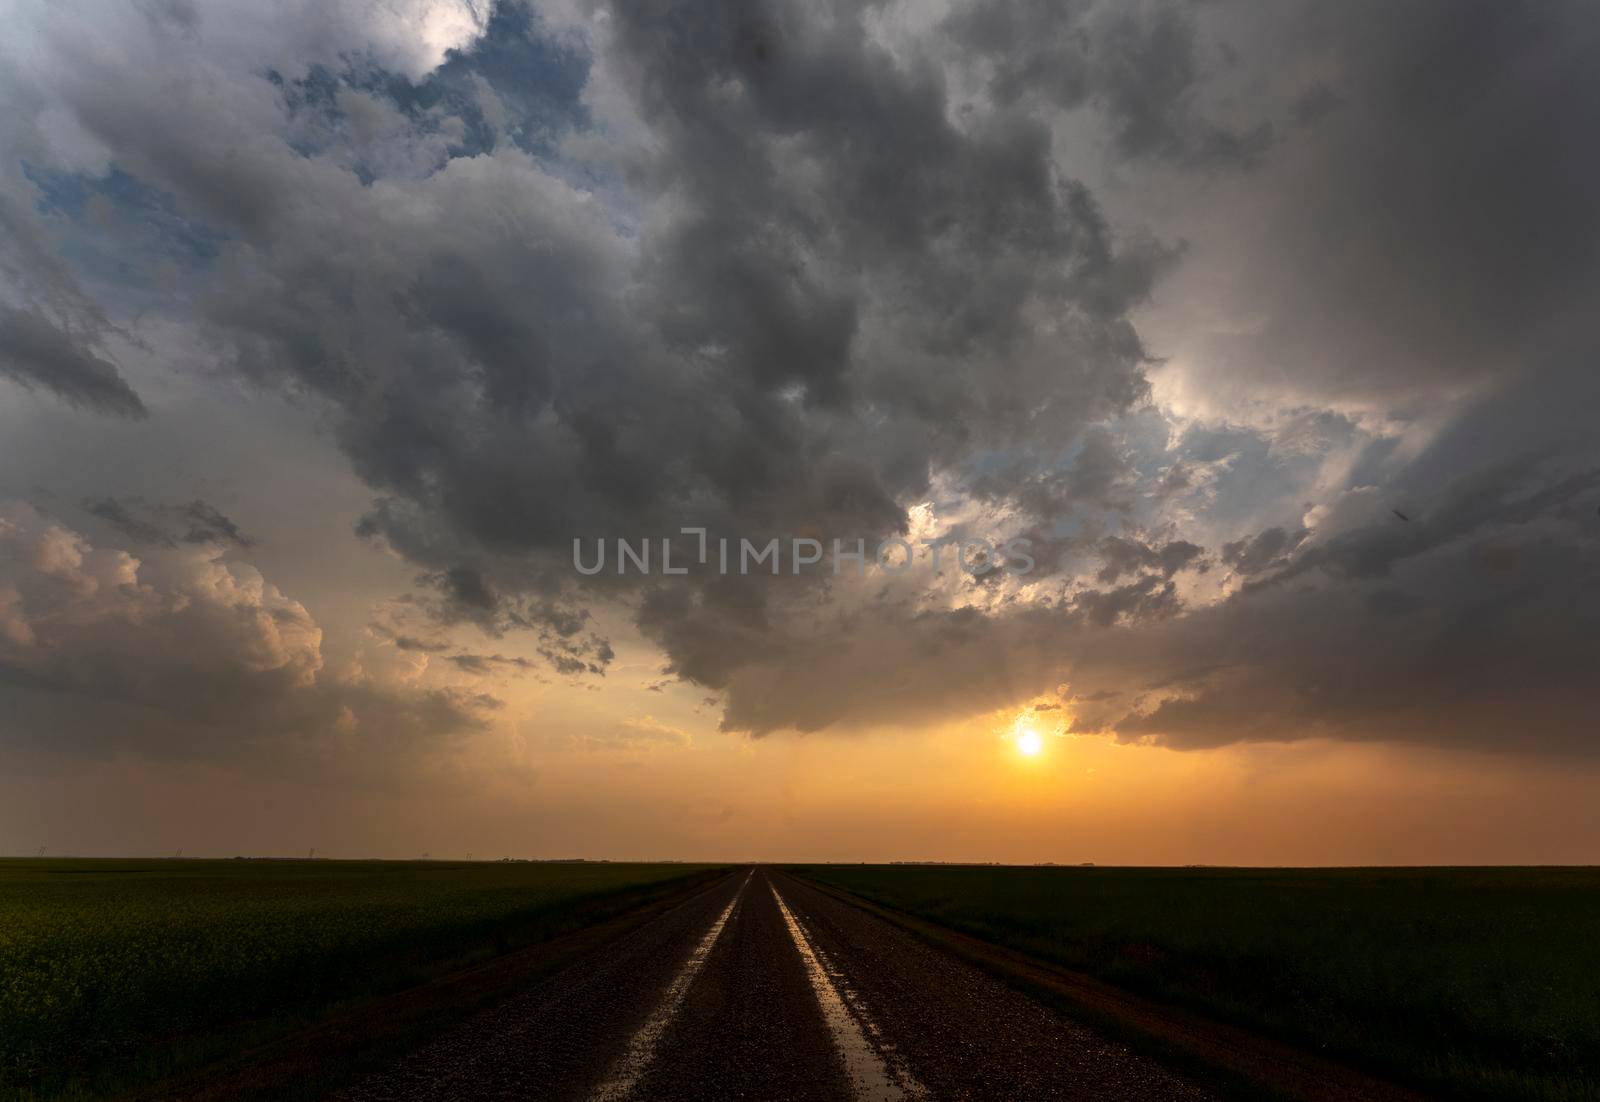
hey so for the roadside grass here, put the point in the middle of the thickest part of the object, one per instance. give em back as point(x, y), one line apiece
point(1471, 983)
point(116, 973)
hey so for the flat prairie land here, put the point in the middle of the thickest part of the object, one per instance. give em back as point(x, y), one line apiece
point(1465, 982)
point(119, 972)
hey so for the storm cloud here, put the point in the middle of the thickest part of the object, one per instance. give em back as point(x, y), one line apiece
point(34, 352)
point(1192, 300)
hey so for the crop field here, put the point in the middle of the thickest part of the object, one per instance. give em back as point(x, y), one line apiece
point(111, 965)
point(1480, 983)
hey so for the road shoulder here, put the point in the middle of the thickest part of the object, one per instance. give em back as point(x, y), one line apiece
point(1232, 1057)
point(314, 1060)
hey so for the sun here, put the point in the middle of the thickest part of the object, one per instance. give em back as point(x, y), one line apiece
point(1029, 742)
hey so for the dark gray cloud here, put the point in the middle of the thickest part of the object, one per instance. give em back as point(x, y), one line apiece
point(205, 523)
point(198, 522)
point(1448, 649)
point(37, 353)
point(1139, 64)
point(749, 291)
point(1262, 551)
point(774, 269)
point(123, 518)
point(464, 588)
point(1435, 232)
point(562, 630)
point(1146, 598)
point(468, 662)
point(1463, 627)
point(1128, 556)
point(482, 664)
point(839, 291)
point(179, 14)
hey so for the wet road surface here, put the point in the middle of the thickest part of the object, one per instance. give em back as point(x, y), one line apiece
point(762, 987)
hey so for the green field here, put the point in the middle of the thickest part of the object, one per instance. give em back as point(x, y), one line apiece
point(1480, 983)
point(114, 972)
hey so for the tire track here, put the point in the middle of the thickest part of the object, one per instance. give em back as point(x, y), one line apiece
point(963, 1033)
point(866, 1061)
point(555, 1039)
point(625, 1076)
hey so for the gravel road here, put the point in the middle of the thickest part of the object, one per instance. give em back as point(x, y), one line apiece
point(762, 987)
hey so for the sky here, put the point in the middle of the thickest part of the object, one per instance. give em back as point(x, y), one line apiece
point(1211, 389)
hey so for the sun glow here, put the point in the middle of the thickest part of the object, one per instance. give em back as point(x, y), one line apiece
point(1030, 742)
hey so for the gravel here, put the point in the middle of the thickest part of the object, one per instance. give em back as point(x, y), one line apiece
point(749, 1025)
